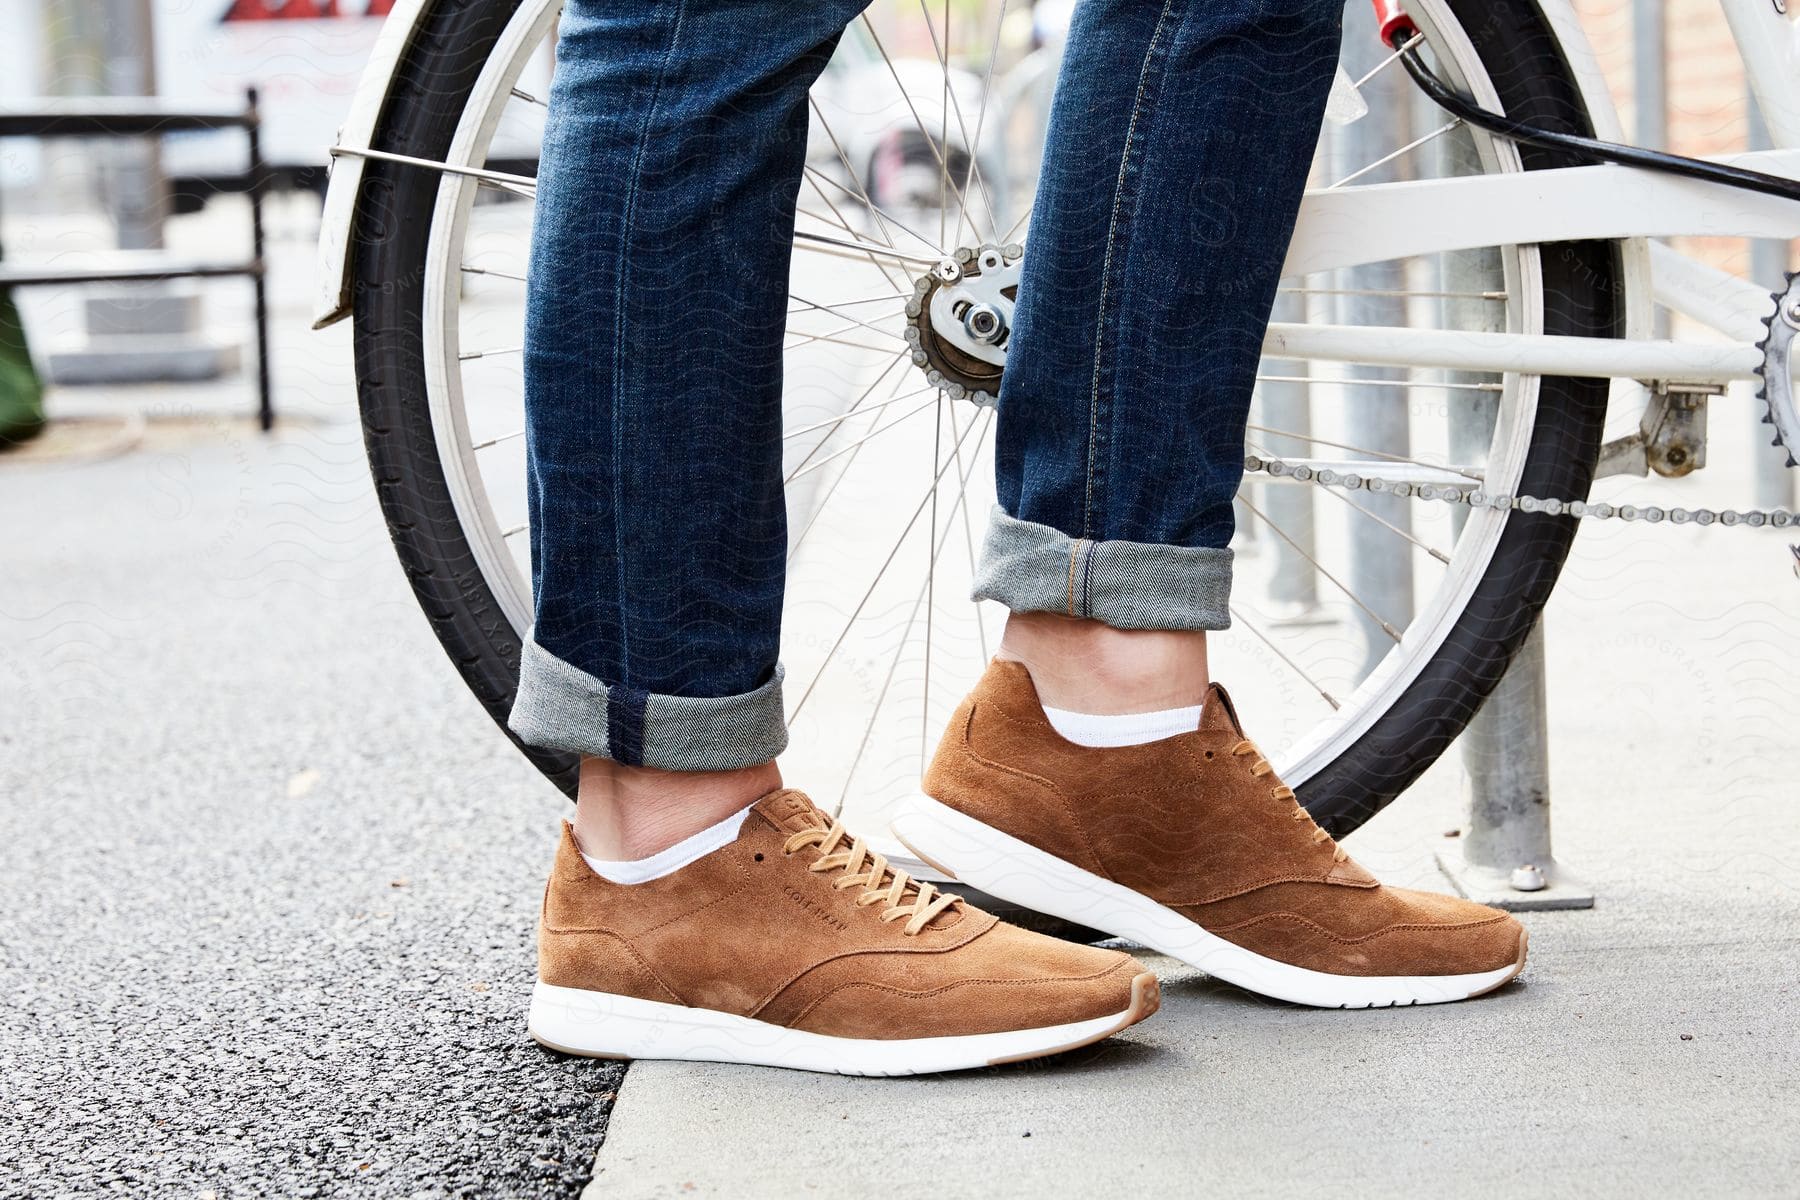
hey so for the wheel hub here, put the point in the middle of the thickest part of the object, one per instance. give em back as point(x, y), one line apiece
point(960, 320)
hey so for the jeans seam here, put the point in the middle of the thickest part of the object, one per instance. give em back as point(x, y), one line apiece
point(1102, 320)
point(1087, 579)
point(634, 177)
point(1074, 554)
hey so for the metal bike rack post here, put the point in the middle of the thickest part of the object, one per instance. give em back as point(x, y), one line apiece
point(1504, 856)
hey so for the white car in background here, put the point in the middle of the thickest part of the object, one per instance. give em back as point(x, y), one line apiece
point(305, 57)
point(306, 67)
point(876, 114)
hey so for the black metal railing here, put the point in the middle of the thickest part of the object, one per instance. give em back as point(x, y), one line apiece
point(134, 116)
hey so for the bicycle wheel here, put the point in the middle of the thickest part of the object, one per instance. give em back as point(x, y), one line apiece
point(887, 470)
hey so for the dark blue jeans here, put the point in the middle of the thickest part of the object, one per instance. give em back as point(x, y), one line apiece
point(1179, 141)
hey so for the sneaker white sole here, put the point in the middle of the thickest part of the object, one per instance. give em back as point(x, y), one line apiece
point(1004, 866)
point(604, 1025)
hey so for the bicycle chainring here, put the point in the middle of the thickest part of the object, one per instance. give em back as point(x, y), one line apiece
point(1777, 369)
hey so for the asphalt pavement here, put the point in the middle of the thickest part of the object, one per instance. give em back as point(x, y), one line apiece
point(269, 876)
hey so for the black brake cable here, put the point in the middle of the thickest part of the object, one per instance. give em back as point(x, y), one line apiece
point(1405, 41)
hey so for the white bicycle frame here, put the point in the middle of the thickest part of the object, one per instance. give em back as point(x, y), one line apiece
point(1350, 226)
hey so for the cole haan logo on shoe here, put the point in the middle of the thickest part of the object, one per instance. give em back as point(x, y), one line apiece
point(812, 909)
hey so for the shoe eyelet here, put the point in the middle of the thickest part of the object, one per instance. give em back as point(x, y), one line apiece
point(759, 856)
point(1209, 755)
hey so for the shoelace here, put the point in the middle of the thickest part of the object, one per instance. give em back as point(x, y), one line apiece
point(1282, 791)
point(867, 869)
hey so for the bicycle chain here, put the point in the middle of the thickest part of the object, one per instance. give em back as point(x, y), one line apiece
point(1474, 497)
point(1775, 393)
point(1774, 346)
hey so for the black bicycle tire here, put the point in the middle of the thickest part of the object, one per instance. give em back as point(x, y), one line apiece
point(1582, 297)
point(390, 237)
point(391, 231)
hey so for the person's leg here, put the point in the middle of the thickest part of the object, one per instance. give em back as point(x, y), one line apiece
point(1180, 138)
point(697, 910)
point(657, 296)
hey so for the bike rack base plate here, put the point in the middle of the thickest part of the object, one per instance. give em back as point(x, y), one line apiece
point(1492, 886)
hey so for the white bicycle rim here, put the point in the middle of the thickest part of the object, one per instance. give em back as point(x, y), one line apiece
point(489, 500)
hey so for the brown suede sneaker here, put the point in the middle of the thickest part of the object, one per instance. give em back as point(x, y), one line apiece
point(797, 946)
point(1193, 847)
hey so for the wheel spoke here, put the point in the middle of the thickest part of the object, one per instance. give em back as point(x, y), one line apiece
point(854, 322)
point(843, 222)
point(953, 104)
point(1469, 473)
point(834, 306)
point(495, 441)
point(862, 190)
point(860, 249)
point(834, 422)
point(1238, 616)
point(1389, 157)
point(1281, 533)
point(1398, 293)
point(1382, 521)
point(807, 470)
point(816, 177)
point(987, 91)
point(849, 463)
point(931, 557)
point(524, 185)
point(1265, 452)
point(912, 618)
point(835, 338)
point(1389, 61)
point(1020, 223)
point(898, 358)
point(876, 582)
point(468, 270)
point(968, 529)
point(937, 151)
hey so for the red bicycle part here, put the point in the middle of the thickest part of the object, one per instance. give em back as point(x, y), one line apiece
point(1392, 25)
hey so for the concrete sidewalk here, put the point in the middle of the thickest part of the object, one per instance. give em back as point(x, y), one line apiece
point(1650, 1048)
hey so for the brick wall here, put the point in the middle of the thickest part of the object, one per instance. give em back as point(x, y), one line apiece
point(1706, 103)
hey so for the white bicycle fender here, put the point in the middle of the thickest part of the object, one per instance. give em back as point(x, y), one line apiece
point(332, 283)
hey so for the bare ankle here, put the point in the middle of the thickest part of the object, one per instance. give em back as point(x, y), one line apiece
point(624, 813)
point(1088, 666)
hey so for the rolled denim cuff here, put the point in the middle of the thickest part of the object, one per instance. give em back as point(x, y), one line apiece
point(1129, 585)
point(561, 707)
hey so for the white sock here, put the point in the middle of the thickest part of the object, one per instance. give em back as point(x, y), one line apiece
point(667, 862)
point(1131, 729)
